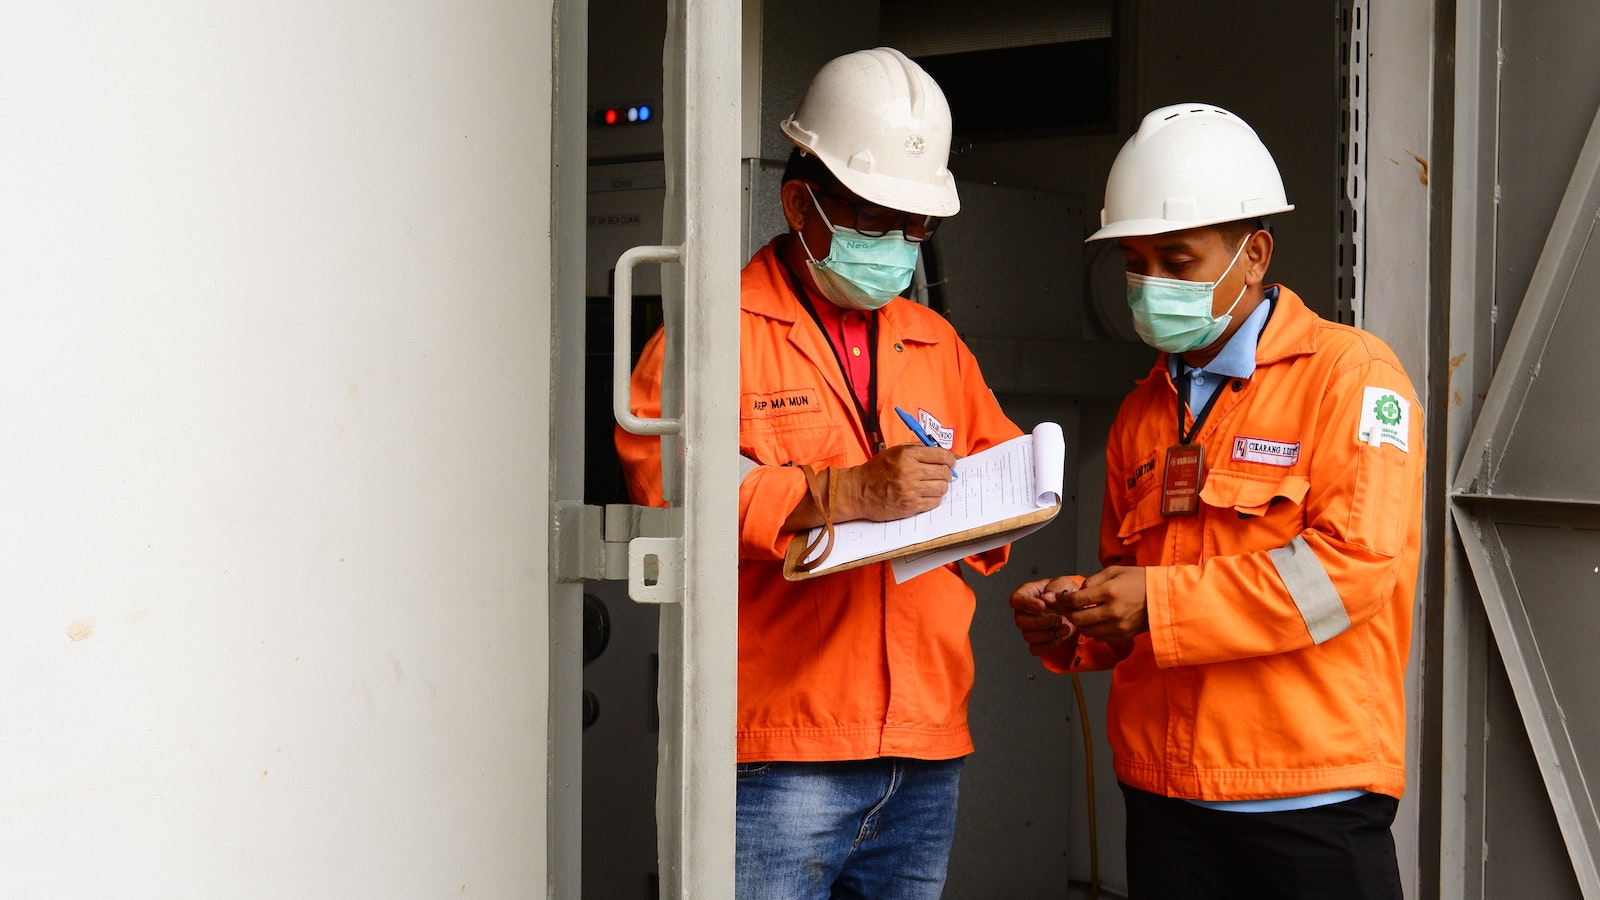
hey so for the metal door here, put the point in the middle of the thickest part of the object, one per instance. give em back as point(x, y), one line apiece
point(1526, 496)
point(692, 572)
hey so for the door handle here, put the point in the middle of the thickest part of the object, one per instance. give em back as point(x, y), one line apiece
point(622, 342)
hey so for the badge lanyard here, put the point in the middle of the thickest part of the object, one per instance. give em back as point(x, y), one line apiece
point(1186, 462)
point(869, 417)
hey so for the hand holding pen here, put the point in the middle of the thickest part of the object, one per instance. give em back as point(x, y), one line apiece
point(902, 481)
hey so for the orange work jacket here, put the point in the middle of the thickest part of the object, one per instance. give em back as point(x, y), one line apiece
point(849, 665)
point(1280, 614)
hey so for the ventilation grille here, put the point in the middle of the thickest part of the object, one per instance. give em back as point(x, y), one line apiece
point(1349, 278)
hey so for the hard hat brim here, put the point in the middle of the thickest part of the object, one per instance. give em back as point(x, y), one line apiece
point(1147, 227)
point(907, 196)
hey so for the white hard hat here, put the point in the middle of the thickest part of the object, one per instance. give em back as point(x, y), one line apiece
point(1189, 165)
point(882, 127)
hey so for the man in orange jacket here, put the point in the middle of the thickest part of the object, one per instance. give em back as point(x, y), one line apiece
point(1260, 537)
point(852, 711)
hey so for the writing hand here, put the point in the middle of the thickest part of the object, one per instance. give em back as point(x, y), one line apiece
point(901, 481)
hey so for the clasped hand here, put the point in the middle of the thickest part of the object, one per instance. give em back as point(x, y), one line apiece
point(1107, 606)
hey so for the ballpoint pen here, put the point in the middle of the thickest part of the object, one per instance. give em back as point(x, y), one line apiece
point(916, 429)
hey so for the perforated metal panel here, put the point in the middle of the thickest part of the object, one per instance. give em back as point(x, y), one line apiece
point(1352, 202)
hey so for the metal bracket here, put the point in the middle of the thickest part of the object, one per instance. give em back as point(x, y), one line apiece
point(593, 544)
point(655, 570)
point(576, 534)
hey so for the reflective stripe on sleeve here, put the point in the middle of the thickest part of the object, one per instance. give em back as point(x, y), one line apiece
point(1311, 590)
point(746, 466)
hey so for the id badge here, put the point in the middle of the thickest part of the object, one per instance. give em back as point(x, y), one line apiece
point(1180, 486)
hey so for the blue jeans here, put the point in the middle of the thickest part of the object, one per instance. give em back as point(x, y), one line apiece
point(878, 828)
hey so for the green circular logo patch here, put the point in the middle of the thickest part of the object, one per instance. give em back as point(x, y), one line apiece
point(1387, 409)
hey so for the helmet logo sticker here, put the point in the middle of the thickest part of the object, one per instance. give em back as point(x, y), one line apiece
point(916, 146)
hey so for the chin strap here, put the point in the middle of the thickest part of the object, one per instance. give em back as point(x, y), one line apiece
point(824, 488)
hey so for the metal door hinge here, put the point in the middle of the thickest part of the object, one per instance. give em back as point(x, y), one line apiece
point(616, 541)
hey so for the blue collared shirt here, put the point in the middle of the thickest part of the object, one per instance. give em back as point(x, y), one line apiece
point(1237, 359)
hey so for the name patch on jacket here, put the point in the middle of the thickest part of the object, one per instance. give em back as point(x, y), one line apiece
point(1261, 450)
point(1142, 471)
point(777, 403)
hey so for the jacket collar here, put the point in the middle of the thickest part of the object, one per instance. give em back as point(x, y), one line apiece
point(1292, 330)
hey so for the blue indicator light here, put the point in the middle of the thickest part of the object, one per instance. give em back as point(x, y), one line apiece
point(644, 113)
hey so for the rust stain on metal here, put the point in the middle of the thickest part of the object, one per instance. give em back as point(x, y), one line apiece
point(1422, 168)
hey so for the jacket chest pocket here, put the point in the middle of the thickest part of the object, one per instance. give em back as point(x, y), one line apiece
point(792, 426)
point(1279, 500)
point(1279, 503)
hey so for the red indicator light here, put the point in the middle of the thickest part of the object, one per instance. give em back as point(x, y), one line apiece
point(611, 117)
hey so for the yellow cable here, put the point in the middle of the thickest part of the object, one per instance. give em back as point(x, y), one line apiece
point(1088, 774)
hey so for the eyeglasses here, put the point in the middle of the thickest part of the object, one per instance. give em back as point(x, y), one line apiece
point(872, 220)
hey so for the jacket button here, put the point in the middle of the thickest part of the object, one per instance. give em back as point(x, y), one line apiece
point(898, 348)
point(1238, 386)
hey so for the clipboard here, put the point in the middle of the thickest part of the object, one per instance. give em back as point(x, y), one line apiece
point(1009, 529)
point(1003, 493)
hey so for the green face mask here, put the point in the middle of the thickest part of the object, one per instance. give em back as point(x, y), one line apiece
point(1174, 315)
point(861, 272)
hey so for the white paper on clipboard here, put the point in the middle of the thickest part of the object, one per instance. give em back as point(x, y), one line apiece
point(1018, 476)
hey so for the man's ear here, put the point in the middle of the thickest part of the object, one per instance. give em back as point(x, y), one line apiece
point(1257, 257)
point(797, 204)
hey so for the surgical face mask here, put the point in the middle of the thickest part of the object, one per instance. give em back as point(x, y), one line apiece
point(1174, 315)
point(861, 272)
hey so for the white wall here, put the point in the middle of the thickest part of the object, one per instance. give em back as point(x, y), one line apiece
point(274, 297)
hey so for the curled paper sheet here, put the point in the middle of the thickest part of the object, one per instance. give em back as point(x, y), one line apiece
point(1047, 449)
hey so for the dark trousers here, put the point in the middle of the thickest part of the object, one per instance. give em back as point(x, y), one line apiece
point(1180, 851)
